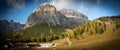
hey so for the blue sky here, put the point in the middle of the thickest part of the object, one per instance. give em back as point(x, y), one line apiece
point(19, 10)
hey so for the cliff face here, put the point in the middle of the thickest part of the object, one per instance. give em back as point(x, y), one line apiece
point(47, 14)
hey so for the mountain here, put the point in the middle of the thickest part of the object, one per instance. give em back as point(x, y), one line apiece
point(47, 14)
point(7, 27)
point(47, 24)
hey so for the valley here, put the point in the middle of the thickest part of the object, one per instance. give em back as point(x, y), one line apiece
point(49, 29)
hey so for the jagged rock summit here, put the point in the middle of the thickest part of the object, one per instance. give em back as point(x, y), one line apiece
point(47, 14)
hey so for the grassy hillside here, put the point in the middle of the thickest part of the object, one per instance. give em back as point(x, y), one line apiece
point(100, 34)
point(108, 26)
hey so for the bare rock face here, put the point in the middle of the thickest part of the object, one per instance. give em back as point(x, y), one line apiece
point(47, 14)
point(75, 18)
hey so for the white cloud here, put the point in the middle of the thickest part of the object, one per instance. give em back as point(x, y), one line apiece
point(74, 4)
point(68, 4)
point(60, 4)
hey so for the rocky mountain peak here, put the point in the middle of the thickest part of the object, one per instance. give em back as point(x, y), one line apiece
point(45, 8)
point(73, 13)
point(47, 14)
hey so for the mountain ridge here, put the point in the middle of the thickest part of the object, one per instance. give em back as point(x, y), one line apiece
point(10, 26)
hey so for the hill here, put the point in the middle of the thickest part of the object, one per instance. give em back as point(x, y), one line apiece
point(104, 25)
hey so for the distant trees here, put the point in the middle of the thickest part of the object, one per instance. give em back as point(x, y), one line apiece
point(100, 31)
point(97, 26)
point(39, 33)
point(36, 38)
point(89, 28)
point(117, 25)
point(90, 32)
point(110, 18)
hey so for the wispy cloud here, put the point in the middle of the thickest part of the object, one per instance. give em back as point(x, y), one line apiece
point(82, 4)
point(73, 4)
point(60, 4)
point(16, 4)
